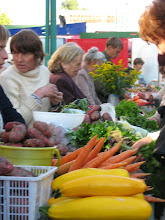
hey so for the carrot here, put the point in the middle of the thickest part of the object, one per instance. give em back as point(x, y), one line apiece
point(139, 175)
point(95, 150)
point(102, 157)
point(128, 160)
point(97, 141)
point(120, 157)
point(79, 162)
point(65, 167)
point(134, 166)
point(71, 156)
point(115, 165)
point(54, 162)
point(153, 199)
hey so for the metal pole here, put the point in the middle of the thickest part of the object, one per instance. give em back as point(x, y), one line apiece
point(47, 32)
point(53, 26)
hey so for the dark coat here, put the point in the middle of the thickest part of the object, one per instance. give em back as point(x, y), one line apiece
point(9, 114)
point(107, 57)
point(67, 86)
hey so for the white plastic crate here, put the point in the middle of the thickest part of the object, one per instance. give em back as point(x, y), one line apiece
point(21, 197)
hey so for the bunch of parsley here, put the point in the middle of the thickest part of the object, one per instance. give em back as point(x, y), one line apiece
point(132, 113)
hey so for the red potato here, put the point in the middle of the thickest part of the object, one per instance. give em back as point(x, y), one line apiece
point(87, 119)
point(5, 136)
point(10, 125)
point(33, 142)
point(51, 141)
point(34, 133)
point(5, 166)
point(95, 116)
point(13, 144)
point(44, 128)
point(106, 116)
point(18, 133)
point(93, 109)
point(21, 172)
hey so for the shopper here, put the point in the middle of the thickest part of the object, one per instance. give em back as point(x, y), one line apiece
point(138, 64)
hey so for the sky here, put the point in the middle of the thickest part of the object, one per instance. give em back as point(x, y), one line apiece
point(32, 12)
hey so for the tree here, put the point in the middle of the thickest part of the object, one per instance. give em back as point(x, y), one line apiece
point(70, 5)
point(4, 19)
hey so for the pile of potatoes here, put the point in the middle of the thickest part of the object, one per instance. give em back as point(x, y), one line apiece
point(17, 134)
point(93, 115)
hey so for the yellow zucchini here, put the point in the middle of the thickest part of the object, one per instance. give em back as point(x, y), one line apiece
point(57, 182)
point(102, 185)
point(102, 208)
point(54, 200)
point(139, 195)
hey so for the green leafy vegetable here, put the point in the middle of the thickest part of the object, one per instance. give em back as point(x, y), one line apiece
point(77, 104)
point(133, 115)
point(108, 129)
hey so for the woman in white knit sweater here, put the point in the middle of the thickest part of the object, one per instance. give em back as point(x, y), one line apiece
point(26, 82)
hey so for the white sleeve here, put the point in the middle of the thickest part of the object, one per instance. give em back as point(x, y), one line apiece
point(154, 136)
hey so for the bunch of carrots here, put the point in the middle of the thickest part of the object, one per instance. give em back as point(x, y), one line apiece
point(90, 156)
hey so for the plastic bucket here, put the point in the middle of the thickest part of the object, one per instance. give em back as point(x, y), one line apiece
point(30, 156)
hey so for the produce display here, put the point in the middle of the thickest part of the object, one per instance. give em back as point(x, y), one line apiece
point(99, 176)
point(17, 134)
point(96, 194)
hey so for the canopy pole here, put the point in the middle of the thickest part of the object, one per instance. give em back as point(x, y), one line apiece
point(50, 29)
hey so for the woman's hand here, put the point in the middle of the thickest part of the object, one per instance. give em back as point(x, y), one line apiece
point(154, 119)
point(57, 99)
point(50, 91)
point(141, 142)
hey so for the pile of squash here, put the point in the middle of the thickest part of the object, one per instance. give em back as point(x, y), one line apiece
point(93, 193)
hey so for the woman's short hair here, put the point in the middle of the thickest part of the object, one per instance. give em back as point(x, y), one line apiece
point(66, 53)
point(93, 54)
point(27, 41)
point(152, 22)
point(4, 33)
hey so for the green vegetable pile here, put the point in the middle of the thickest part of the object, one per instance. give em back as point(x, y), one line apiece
point(77, 104)
point(133, 115)
point(113, 132)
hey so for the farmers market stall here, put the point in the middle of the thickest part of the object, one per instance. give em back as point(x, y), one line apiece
point(100, 143)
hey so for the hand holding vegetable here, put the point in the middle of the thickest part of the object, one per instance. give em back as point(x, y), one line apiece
point(146, 140)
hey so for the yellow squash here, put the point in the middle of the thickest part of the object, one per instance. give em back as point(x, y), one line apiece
point(102, 185)
point(54, 200)
point(102, 208)
point(139, 195)
point(57, 182)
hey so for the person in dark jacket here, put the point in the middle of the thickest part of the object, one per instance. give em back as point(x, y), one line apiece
point(64, 65)
point(7, 111)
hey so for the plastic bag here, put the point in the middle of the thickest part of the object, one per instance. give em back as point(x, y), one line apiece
point(108, 107)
